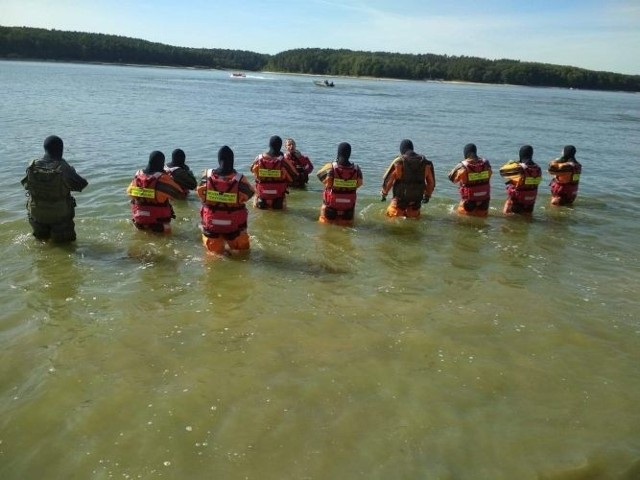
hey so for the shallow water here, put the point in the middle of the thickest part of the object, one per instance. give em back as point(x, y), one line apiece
point(446, 348)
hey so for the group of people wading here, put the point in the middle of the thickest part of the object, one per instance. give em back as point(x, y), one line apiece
point(224, 192)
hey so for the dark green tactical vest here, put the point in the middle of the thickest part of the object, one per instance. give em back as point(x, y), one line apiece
point(50, 199)
point(410, 189)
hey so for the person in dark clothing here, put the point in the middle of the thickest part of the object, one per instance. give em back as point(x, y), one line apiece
point(49, 182)
point(180, 171)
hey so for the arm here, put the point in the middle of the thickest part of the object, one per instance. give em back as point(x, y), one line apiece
point(359, 178)
point(289, 169)
point(511, 171)
point(455, 174)
point(167, 188)
point(246, 190)
point(429, 181)
point(73, 181)
point(306, 164)
point(323, 174)
point(201, 191)
point(185, 178)
point(394, 171)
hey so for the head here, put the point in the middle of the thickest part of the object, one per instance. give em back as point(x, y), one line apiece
point(526, 153)
point(178, 158)
point(406, 145)
point(344, 152)
point(156, 162)
point(569, 152)
point(470, 151)
point(225, 161)
point(275, 145)
point(290, 145)
point(53, 146)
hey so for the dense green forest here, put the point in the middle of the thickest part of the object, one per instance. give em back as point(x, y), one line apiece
point(42, 44)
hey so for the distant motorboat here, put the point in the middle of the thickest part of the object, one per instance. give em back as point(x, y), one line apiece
point(238, 75)
point(323, 83)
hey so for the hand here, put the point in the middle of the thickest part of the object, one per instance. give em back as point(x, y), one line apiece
point(426, 199)
point(383, 198)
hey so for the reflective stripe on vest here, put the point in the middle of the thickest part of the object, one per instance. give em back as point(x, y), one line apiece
point(532, 181)
point(214, 195)
point(227, 197)
point(478, 176)
point(347, 184)
point(140, 192)
point(268, 173)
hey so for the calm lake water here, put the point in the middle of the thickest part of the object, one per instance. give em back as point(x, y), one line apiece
point(444, 348)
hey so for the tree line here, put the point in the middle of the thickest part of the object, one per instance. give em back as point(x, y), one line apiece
point(42, 44)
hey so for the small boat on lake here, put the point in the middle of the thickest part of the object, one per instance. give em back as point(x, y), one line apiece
point(238, 75)
point(323, 83)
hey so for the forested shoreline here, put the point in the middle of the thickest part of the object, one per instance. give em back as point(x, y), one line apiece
point(42, 44)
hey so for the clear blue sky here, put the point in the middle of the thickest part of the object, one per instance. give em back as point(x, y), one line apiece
point(593, 34)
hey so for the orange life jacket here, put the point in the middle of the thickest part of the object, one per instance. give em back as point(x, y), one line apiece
point(526, 191)
point(145, 207)
point(270, 181)
point(222, 211)
point(475, 184)
point(341, 195)
point(567, 185)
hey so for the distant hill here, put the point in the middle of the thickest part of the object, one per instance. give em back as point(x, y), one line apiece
point(42, 44)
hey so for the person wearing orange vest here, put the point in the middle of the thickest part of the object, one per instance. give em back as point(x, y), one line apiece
point(566, 172)
point(473, 176)
point(180, 171)
point(150, 191)
point(522, 179)
point(224, 194)
point(273, 174)
point(302, 163)
point(412, 178)
point(341, 179)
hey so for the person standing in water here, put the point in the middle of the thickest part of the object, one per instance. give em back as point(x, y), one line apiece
point(273, 174)
point(224, 193)
point(566, 172)
point(49, 182)
point(473, 176)
point(411, 178)
point(341, 179)
point(522, 178)
point(150, 192)
point(302, 163)
point(180, 171)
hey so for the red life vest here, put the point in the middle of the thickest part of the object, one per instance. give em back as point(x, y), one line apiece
point(526, 192)
point(342, 194)
point(477, 187)
point(302, 168)
point(270, 181)
point(145, 208)
point(569, 189)
point(221, 211)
